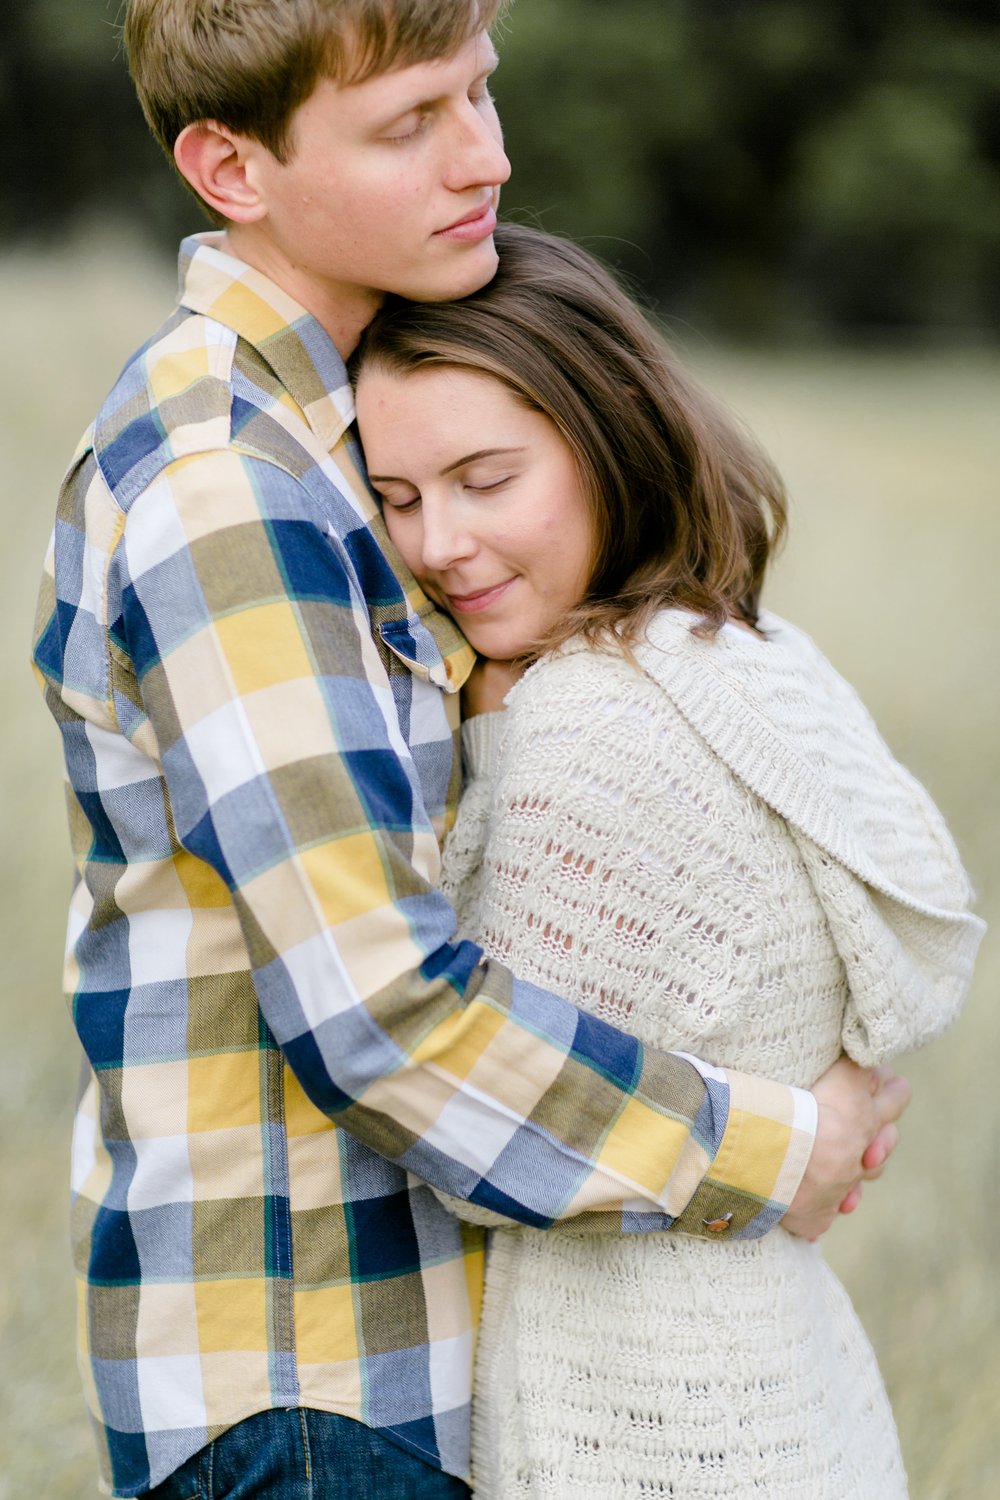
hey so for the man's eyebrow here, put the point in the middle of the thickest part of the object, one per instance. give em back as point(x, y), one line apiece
point(469, 458)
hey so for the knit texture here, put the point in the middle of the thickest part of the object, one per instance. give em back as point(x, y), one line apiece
point(715, 850)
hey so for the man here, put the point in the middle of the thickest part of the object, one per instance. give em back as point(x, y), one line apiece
point(259, 708)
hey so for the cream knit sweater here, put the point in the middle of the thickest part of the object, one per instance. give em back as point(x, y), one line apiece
point(718, 853)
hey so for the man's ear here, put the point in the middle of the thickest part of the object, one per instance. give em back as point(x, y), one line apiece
point(213, 160)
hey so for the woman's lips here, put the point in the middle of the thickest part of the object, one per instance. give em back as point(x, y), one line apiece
point(477, 225)
point(473, 604)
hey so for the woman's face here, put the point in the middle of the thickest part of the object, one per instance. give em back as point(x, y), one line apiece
point(483, 499)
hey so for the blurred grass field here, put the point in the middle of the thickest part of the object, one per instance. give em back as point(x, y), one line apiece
point(893, 462)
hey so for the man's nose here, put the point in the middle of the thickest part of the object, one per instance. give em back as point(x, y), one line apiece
point(477, 155)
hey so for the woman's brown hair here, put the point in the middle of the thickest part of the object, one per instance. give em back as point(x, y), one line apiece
point(686, 509)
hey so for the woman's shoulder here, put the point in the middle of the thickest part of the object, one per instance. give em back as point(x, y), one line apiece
point(603, 676)
point(581, 703)
point(673, 663)
point(770, 657)
point(596, 676)
point(576, 662)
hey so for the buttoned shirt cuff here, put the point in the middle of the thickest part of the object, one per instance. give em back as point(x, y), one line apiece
point(764, 1151)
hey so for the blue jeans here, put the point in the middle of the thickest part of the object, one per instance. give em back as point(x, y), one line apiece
point(306, 1455)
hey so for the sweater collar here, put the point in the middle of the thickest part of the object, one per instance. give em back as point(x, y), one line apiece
point(784, 722)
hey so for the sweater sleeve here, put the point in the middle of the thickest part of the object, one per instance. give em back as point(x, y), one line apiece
point(461, 866)
point(908, 970)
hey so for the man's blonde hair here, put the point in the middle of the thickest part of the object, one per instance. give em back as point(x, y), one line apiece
point(249, 64)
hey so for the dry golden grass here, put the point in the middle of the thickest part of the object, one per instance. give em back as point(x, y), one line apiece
point(894, 468)
point(893, 463)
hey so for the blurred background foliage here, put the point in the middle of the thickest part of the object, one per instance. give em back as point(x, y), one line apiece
point(765, 169)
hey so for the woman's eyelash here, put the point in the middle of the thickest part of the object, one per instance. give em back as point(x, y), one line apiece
point(403, 506)
point(494, 484)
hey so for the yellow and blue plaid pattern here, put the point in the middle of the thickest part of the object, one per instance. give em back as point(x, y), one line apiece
point(258, 708)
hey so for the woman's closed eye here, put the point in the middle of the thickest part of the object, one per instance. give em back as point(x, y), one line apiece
point(484, 487)
point(398, 500)
point(405, 504)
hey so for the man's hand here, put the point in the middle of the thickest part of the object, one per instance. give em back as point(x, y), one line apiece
point(855, 1135)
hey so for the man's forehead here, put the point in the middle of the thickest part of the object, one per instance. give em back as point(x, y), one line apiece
point(425, 78)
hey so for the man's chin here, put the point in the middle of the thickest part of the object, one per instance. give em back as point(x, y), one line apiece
point(475, 270)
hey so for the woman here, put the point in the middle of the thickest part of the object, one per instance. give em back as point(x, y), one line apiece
point(692, 828)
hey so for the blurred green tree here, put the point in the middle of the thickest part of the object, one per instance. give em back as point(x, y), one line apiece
point(769, 167)
point(761, 168)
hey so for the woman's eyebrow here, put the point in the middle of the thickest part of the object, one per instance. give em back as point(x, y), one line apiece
point(471, 458)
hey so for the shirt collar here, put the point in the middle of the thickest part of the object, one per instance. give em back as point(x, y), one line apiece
point(299, 351)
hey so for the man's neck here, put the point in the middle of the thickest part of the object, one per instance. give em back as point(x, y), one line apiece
point(344, 311)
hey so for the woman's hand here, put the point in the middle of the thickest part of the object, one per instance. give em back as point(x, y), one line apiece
point(856, 1134)
point(488, 685)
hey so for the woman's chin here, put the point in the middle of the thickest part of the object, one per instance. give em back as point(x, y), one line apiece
point(496, 645)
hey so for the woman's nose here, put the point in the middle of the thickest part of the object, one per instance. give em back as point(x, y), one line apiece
point(445, 540)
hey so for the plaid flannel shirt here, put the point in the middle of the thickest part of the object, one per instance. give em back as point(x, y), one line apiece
point(283, 1040)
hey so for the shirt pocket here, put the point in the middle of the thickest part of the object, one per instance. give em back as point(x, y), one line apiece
point(415, 643)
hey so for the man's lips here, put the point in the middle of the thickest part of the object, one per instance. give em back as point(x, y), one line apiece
point(477, 224)
point(474, 603)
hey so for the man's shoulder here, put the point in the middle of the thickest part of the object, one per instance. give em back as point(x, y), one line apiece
point(173, 397)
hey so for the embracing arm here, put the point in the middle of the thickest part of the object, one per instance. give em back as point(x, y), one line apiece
point(288, 774)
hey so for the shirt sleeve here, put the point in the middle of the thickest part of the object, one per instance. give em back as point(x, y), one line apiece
point(288, 773)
